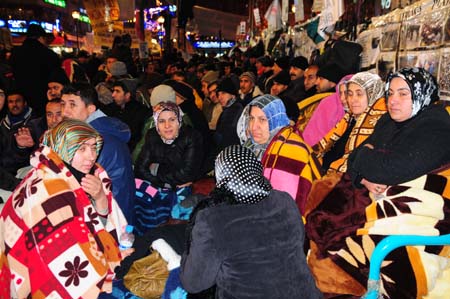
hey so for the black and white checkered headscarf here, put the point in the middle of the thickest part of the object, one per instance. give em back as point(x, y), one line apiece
point(239, 172)
point(423, 86)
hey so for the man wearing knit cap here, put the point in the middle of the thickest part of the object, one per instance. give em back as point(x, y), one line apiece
point(297, 87)
point(226, 133)
point(264, 70)
point(280, 88)
point(279, 65)
point(247, 88)
point(328, 76)
point(56, 82)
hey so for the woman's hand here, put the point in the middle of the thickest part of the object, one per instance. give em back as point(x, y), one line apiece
point(374, 188)
point(369, 145)
point(92, 185)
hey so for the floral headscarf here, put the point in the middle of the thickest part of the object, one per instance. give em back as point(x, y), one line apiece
point(67, 137)
point(238, 171)
point(167, 106)
point(371, 83)
point(423, 86)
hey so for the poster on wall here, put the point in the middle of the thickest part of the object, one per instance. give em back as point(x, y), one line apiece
point(386, 64)
point(407, 59)
point(410, 36)
point(390, 36)
point(444, 78)
point(429, 60)
point(370, 41)
point(431, 30)
point(447, 31)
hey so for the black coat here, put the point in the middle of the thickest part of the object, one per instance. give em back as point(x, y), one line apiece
point(226, 133)
point(249, 251)
point(403, 151)
point(179, 162)
point(32, 65)
point(134, 115)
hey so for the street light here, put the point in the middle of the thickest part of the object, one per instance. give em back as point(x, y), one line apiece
point(161, 21)
point(76, 17)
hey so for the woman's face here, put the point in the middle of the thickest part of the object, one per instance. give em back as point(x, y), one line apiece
point(399, 100)
point(343, 96)
point(85, 156)
point(258, 125)
point(357, 99)
point(168, 125)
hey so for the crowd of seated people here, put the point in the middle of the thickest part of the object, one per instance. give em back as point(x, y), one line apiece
point(300, 153)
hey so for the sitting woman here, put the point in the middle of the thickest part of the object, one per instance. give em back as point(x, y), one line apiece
point(366, 105)
point(400, 174)
point(59, 228)
point(170, 161)
point(247, 239)
point(287, 161)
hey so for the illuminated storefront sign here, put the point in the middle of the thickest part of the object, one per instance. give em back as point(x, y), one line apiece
point(17, 26)
point(2, 23)
point(213, 44)
point(59, 3)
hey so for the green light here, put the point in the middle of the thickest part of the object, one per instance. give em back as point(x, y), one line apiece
point(85, 19)
point(60, 3)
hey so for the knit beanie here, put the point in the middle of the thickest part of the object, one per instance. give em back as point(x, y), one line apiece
point(249, 75)
point(118, 68)
point(282, 62)
point(227, 85)
point(58, 75)
point(332, 72)
point(210, 76)
point(265, 61)
point(282, 78)
point(299, 62)
point(162, 93)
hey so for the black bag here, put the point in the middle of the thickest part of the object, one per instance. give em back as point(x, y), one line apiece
point(346, 54)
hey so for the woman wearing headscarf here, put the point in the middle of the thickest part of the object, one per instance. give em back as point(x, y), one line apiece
point(59, 228)
point(246, 238)
point(169, 162)
point(287, 160)
point(396, 184)
point(366, 104)
point(327, 114)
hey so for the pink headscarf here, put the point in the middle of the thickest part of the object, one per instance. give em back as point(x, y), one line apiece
point(327, 114)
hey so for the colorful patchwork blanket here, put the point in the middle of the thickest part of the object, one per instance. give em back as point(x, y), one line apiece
point(348, 223)
point(53, 243)
point(290, 166)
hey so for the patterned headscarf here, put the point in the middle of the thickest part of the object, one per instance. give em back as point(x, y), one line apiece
point(167, 106)
point(67, 137)
point(239, 172)
point(423, 86)
point(371, 83)
point(274, 110)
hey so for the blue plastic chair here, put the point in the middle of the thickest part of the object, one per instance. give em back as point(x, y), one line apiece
point(387, 245)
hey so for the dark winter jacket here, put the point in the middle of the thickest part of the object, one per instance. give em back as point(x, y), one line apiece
point(32, 64)
point(403, 151)
point(115, 158)
point(178, 163)
point(249, 251)
point(11, 156)
point(226, 133)
point(134, 115)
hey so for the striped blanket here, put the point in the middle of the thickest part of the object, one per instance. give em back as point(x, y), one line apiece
point(290, 166)
point(348, 223)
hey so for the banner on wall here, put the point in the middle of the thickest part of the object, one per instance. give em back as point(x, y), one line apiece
point(299, 10)
point(273, 16)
